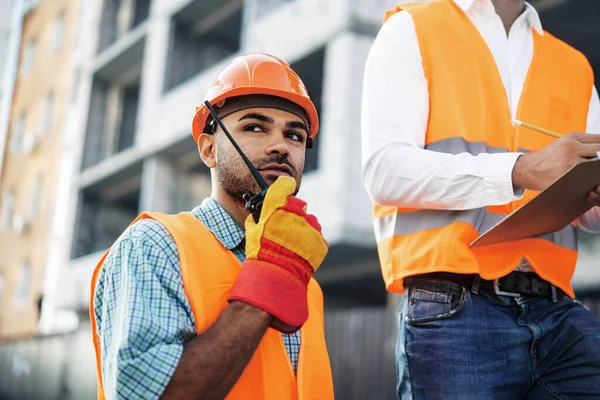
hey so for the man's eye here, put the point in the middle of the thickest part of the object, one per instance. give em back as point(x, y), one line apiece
point(254, 128)
point(295, 136)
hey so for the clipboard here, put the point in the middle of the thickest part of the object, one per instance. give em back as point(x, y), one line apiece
point(551, 210)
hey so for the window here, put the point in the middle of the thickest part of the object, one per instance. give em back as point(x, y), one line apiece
point(103, 212)
point(16, 141)
point(119, 17)
point(202, 36)
point(58, 33)
point(8, 209)
point(47, 114)
point(35, 197)
point(129, 108)
point(23, 284)
point(140, 12)
point(113, 112)
point(28, 58)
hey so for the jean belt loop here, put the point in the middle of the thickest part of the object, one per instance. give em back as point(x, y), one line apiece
point(475, 284)
point(553, 289)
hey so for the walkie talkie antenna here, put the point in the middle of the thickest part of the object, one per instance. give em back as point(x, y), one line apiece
point(257, 176)
point(253, 202)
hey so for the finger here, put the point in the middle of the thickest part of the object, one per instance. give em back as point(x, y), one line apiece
point(588, 137)
point(312, 221)
point(298, 207)
point(589, 150)
point(594, 197)
point(277, 195)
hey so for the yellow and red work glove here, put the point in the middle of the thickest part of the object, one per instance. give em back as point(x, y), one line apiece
point(283, 250)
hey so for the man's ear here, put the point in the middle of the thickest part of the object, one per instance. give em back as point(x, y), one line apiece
point(206, 148)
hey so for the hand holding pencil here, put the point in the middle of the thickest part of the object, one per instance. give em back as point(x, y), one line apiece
point(537, 170)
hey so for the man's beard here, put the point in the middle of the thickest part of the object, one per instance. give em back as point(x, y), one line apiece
point(235, 178)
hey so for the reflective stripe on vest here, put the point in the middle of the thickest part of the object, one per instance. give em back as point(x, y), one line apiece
point(208, 271)
point(400, 224)
point(469, 113)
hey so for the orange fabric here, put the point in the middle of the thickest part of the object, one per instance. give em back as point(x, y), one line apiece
point(468, 101)
point(208, 271)
point(257, 74)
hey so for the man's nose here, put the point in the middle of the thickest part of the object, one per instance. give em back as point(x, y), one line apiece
point(277, 145)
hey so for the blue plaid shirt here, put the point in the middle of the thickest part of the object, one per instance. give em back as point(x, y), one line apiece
point(142, 313)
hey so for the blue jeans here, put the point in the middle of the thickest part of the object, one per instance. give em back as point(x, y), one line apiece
point(454, 344)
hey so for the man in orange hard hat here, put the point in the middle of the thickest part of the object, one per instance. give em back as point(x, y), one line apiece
point(214, 301)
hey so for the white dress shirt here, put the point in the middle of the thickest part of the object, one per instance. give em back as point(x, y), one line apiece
point(396, 169)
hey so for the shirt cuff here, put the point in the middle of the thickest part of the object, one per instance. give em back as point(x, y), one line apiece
point(497, 179)
point(590, 221)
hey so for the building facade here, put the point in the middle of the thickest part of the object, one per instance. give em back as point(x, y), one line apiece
point(124, 82)
point(135, 73)
point(31, 157)
point(152, 64)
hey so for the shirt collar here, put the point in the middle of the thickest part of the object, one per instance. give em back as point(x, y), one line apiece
point(220, 223)
point(464, 5)
point(532, 16)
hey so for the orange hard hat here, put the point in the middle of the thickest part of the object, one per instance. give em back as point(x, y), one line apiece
point(257, 74)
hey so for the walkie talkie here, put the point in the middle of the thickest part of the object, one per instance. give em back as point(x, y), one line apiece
point(253, 201)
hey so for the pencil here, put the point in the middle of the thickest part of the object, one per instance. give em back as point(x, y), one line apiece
point(535, 128)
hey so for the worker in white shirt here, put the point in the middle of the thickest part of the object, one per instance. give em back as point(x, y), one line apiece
point(443, 163)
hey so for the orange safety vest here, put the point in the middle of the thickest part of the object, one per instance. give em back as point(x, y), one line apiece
point(209, 270)
point(469, 112)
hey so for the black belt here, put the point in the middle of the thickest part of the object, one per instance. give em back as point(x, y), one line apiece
point(514, 284)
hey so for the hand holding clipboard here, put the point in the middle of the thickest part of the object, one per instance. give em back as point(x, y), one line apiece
point(565, 198)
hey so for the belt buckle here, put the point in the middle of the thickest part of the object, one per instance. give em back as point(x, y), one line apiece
point(499, 292)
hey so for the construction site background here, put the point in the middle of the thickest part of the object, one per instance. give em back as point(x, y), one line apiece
point(96, 100)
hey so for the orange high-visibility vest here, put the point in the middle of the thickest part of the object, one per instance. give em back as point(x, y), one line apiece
point(209, 270)
point(469, 112)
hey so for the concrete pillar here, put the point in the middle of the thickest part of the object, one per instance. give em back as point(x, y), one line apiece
point(158, 183)
point(153, 75)
point(345, 62)
point(338, 174)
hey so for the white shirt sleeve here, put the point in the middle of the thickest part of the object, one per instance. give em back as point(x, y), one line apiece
point(396, 169)
point(590, 221)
